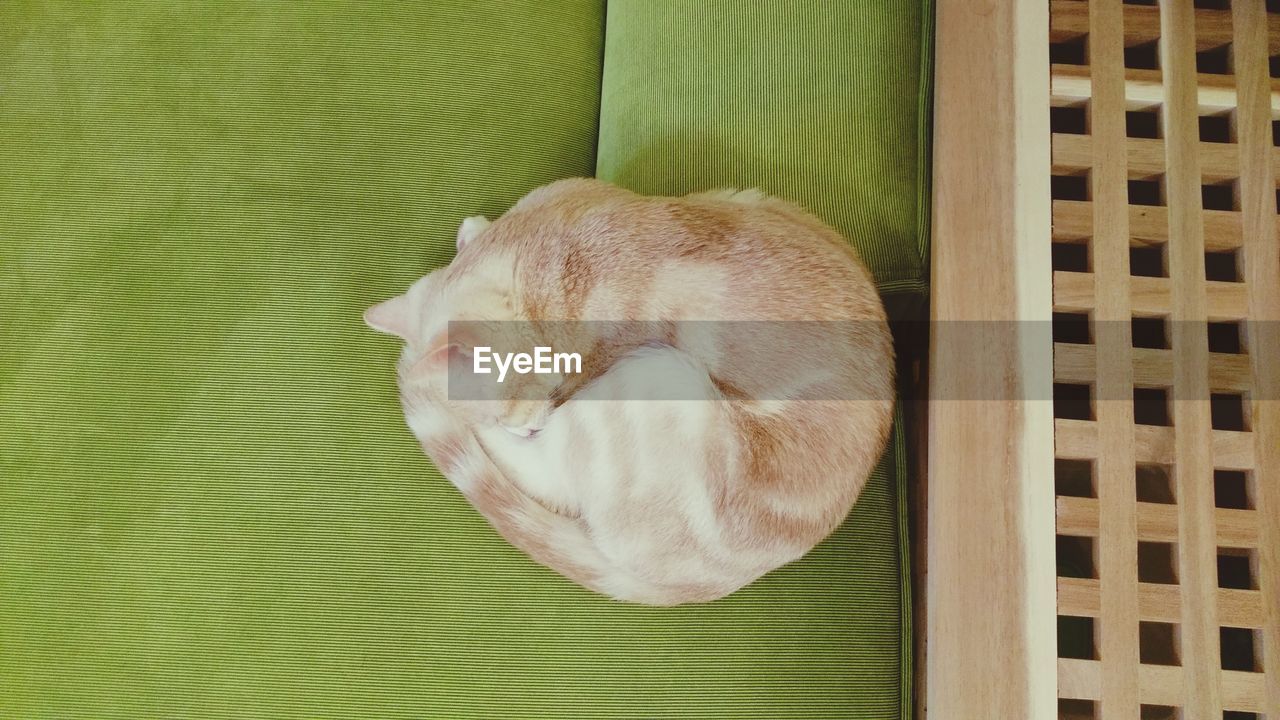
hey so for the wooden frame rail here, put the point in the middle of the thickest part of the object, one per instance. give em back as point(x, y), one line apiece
point(990, 591)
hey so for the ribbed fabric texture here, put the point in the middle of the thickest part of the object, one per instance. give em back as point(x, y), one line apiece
point(210, 506)
point(826, 104)
point(822, 103)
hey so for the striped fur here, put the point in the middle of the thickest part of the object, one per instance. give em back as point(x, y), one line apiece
point(658, 501)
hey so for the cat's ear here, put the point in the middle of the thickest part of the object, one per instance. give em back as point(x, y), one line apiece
point(445, 347)
point(470, 228)
point(393, 317)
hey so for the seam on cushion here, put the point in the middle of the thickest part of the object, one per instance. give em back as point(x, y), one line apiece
point(892, 287)
point(604, 42)
point(924, 140)
point(905, 653)
point(900, 289)
point(924, 218)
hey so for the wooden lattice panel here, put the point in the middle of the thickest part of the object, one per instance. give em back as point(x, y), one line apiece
point(1166, 293)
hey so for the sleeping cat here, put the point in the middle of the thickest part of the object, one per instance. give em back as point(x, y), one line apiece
point(688, 458)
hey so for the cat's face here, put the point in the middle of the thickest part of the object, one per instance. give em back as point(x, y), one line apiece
point(477, 297)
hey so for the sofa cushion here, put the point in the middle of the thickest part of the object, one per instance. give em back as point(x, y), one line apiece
point(209, 503)
point(822, 103)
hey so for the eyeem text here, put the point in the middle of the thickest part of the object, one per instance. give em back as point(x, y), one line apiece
point(541, 362)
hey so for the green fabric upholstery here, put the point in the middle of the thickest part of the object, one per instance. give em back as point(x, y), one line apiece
point(822, 103)
point(209, 504)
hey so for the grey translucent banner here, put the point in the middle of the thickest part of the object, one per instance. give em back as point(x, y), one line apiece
point(844, 360)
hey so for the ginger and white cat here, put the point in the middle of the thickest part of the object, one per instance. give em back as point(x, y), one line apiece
point(689, 458)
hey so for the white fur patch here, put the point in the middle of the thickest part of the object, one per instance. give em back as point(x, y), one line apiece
point(603, 303)
point(687, 290)
point(747, 196)
point(766, 408)
point(470, 470)
point(470, 228)
point(427, 422)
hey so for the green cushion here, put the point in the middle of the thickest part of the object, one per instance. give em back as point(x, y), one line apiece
point(209, 503)
point(821, 102)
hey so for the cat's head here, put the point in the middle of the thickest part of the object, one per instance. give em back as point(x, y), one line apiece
point(444, 316)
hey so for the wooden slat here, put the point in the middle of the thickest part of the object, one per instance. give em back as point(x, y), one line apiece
point(1162, 685)
point(1079, 679)
point(989, 512)
point(1078, 439)
point(1073, 363)
point(1158, 523)
point(1148, 225)
point(1262, 275)
point(1161, 603)
point(1190, 447)
point(1153, 297)
point(1143, 90)
point(1117, 548)
point(1246, 692)
point(1069, 19)
point(1219, 162)
point(1201, 687)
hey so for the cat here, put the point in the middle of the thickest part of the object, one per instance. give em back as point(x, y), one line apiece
point(688, 458)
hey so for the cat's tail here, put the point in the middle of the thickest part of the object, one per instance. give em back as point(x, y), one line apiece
point(561, 543)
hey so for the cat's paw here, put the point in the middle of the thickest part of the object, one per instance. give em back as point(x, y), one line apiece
point(525, 418)
point(470, 228)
